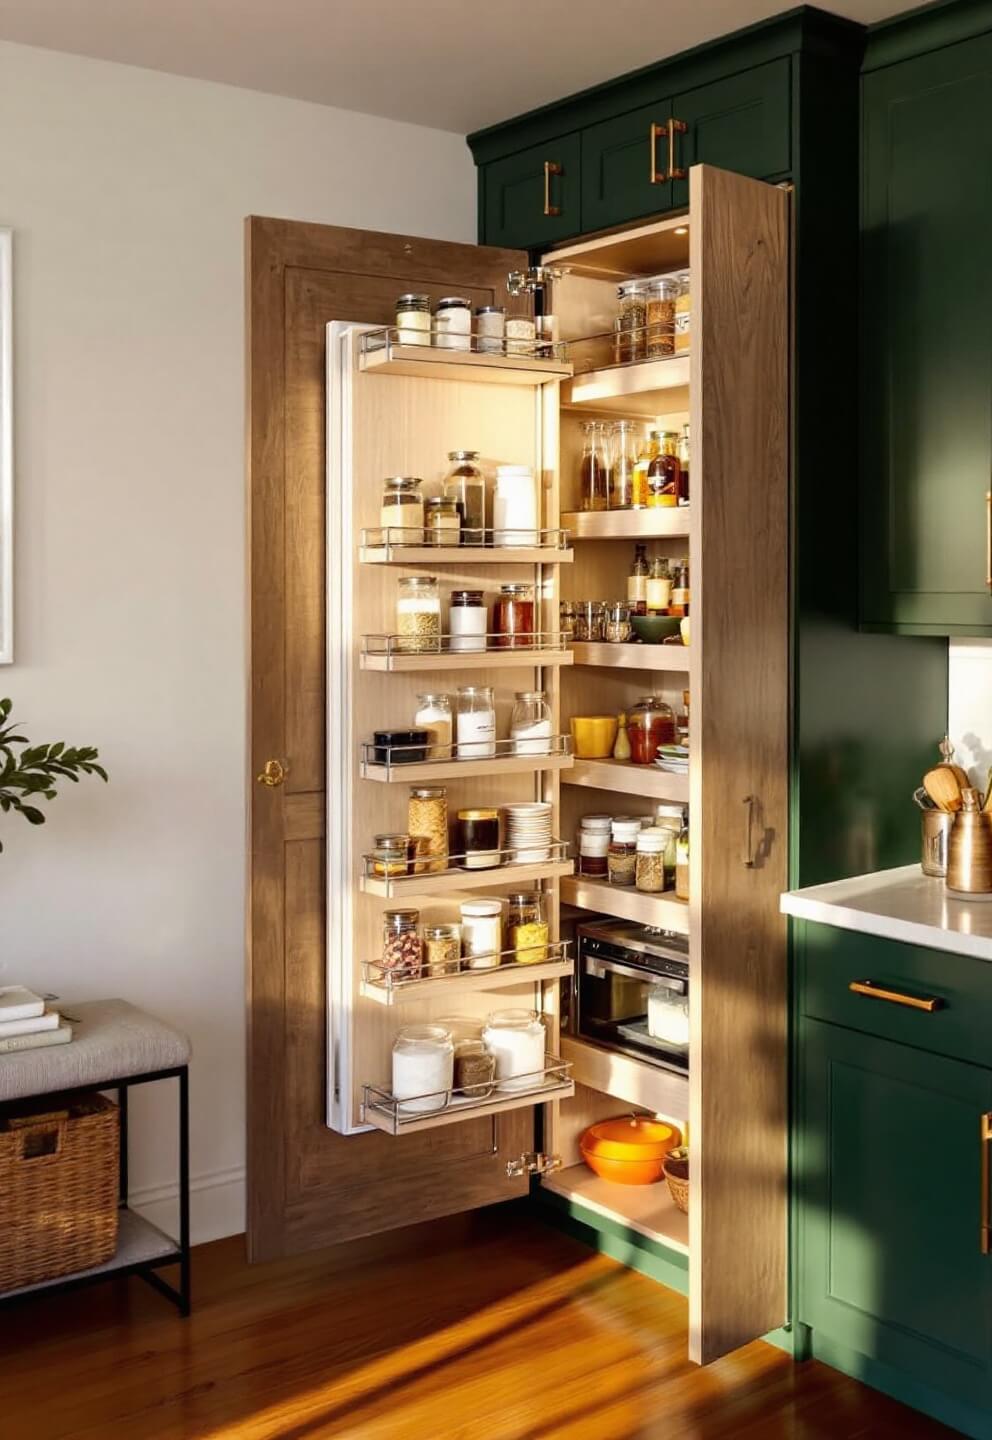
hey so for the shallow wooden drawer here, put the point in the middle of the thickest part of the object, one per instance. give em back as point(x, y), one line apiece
point(831, 961)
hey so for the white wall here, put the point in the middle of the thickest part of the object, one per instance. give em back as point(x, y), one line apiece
point(969, 706)
point(126, 190)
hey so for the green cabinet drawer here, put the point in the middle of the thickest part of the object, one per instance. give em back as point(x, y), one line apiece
point(889, 1174)
point(520, 189)
point(832, 960)
point(621, 162)
point(742, 123)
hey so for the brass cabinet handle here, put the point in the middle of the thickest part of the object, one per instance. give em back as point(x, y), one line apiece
point(748, 856)
point(656, 176)
point(675, 127)
point(985, 1222)
point(929, 1003)
point(273, 773)
point(988, 539)
point(551, 167)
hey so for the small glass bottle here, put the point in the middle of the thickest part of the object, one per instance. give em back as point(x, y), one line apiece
point(663, 474)
point(659, 587)
point(475, 729)
point(621, 858)
point(680, 590)
point(401, 511)
point(442, 522)
point(467, 621)
point(594, 468)
point(466, 485)
point(418, 614)
point(684, 465)
point(623, 459)
point(637, 581)
point(530, 723)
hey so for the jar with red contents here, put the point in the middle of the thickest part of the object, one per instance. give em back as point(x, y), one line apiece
point(650, 723)
point(513, 617)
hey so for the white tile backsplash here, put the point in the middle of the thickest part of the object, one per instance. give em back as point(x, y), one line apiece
point(969, 706)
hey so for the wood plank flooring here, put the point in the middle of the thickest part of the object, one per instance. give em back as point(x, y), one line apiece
point(490, 1324)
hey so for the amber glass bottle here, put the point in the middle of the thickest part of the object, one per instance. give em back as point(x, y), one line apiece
point(664, 472)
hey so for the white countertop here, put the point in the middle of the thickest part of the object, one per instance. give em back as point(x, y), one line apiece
point(901, 904)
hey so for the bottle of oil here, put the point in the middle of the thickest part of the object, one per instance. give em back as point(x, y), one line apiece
point(684, 465)
point(637, 582)
point(663, 473)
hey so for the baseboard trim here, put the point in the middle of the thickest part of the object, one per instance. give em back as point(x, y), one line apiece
point(216, 1205)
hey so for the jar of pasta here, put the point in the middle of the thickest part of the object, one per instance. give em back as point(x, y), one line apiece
point(427, 823)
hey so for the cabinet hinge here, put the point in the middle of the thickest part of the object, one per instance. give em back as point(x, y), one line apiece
point(532, 1162)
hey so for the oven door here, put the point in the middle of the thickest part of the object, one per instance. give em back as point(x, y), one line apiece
point(612, 1009)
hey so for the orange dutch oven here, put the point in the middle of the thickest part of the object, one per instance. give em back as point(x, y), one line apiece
point(629, 1150)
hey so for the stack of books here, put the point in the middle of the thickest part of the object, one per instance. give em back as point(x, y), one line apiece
point(26, 1023)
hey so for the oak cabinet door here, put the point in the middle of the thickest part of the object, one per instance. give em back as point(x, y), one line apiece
point(891, 1207)
point(532, 198)
point(742, 123)
point(625, 167)
point(926, 450)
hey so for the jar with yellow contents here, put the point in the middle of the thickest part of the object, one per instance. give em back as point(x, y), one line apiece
point(527, 928)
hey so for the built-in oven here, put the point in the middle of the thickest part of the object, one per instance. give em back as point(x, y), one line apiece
point(632, 991)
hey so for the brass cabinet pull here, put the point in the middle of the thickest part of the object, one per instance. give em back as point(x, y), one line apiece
point(985, 1222)
point(656, 176)
point(748, 856)
point(675, 127)
point(551, 167)
point(929, 1003)
point(273, 773)
point(988, 539)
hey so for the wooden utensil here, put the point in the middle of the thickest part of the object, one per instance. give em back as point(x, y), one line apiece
point(943, 786)
point(947, 758)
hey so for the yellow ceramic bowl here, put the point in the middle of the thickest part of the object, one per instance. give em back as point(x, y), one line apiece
point(593, 736)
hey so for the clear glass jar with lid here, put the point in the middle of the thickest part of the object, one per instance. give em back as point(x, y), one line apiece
point(632, 296)
point(427, 823)
point(453, 323)
point(468, 618)
point(401, 944)
point(659, 587)
point(490, 329)
point(442, 950)
point(649, 871)
point(670, 818)
point(434, 715)
point(513, 617)
point(418, 614)
point(413, 319)
point(530, 723)
point(475, 723)
point(401, 512)
point(423, 1068)
point(482, 933)
point(527, 927)
point(661, 297)
point(590, 620)
point(621, 857)
point(650, 723)
point(594, 467)
point(618, 628)
point(442, 522)
point(624, 445)
point(517, 1040)
point(466, 485)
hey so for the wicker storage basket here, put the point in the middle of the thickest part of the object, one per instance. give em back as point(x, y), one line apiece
point(58, 1187)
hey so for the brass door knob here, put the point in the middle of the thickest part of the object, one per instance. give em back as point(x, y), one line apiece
point(273, 773)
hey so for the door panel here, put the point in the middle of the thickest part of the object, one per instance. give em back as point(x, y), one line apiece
point(515, 192)
point(743, 123)
point(891, 1187)
point(619, 161)
point(926, 320)
point(307, 1186)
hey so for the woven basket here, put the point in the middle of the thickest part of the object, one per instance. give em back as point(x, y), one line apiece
point(58, 1187)
point(678, 1188)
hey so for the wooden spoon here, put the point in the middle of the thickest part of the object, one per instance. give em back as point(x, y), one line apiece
point(944, 787)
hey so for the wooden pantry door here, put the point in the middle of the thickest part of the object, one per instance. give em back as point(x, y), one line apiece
point(308, 1187)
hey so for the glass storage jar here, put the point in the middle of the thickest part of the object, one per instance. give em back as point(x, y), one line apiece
point(467, 621)
point(427, 822)
point(663, 473)
point(490, 329)
point(646, 451)
point(649, 872)
point(418, 614)
point(594, 467)
point(453, 323)
point(475, 724)
point(621, 858)
point(478, 839)
point(517, 1041)
point(466, 485)
point(683, 316)
point(513, 617)
point(530, 723)
point(482, 933)
point(668, 1017)
point(434, 716)
point(442, 522)
point(413, 319)
point(661, 297)
point(632, 296)
point(623, 460)
point(659, 587)
point(401, 512)
point(617, 627)
point(442, 950)
point(475, 1069)
point(590, 620)
point(392, 855)
point(423, 1068)
point(401, 944)
point(521, 335)
point(566, 619)
point(670, 819)
point(527, 927)
point(650, 723)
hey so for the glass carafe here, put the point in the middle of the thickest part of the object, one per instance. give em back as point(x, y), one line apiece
point(594, 467)
point(623, 460)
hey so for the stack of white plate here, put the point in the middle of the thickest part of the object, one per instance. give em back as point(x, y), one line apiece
point(528, 832)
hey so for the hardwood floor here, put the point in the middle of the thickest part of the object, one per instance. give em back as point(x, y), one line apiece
point(490, 1324)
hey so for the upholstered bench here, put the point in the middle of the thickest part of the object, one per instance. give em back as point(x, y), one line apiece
point(114, 1045)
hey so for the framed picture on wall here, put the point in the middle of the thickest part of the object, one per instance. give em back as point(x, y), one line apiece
point(6, 448)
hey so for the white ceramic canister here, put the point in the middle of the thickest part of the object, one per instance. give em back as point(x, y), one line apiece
point(482, 933)
point(516, 1039)
point(515, 507)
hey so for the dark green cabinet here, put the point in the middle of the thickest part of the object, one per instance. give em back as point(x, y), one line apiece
point(926, 451)
point(889, 1178)
point(532, 198)
point(623, 162)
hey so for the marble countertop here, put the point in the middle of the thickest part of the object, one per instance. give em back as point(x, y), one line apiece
point(901, 904)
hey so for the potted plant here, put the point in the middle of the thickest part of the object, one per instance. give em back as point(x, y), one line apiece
point(32, 772)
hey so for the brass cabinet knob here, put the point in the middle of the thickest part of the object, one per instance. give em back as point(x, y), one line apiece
point(273, 773)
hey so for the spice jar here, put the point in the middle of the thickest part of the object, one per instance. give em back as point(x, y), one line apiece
point(530, 723)
point(475, 1069)
point(680, 589)
point(515, 506)
point(633, 312)
point(442, 523)
point(660, 313)
point(593, 848)
point(566, 619)
point(683, 316)
point(590, 620)
point(659, 587)
point(513, 617)
point(618, 627)
point(475, 725)
point(482, 933)
point(490, 329)
point(647, 450)
point(453, 323)
point(442, 950)
point(623, 460)
point(521, 333)
point(527, 928)
point(391, 855)
point(466, 485)
point(682, 863)
point(621, 858)
point(423, 1068)
point(650, 724)
point(671, 820)
point(516, 1039)
point(401, 512)
point(418, 614)
point(427, 822)
point(478, 839)
point(401, 945)
point(650, 865)
point(413, 320)
point(434, 716)
point(594, 467)
point(467, 621)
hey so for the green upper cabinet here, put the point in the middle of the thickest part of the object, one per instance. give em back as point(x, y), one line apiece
point(532, 198)
point(743, 123)
point(625, 167)
point(926, 343)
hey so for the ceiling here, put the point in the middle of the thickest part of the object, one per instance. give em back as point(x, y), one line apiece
point(452, 64)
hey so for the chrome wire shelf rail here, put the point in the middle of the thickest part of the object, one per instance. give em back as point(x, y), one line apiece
point(399, 757)
point(501, 962)
point(394, 646)
point(471, 538)
point(400, 1113)
point(430, 867)
point(434, 338)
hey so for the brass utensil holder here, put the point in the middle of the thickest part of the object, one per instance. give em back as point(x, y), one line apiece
point(935, 828)
point(969, 848)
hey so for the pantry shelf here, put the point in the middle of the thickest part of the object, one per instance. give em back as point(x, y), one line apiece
point(382, 353)
point(381, 652)
point(662, 911)
point(659, 658)
point(462, 555)
point(642, 378)
point(382, 1110)
point(381, 985)
point(398, 774)
point(629, 779)
point(665, 523)
point(441, 883)
point(624, 1077)
point(648, 1209)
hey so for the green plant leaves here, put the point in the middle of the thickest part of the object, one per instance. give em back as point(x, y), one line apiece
point(35, 771)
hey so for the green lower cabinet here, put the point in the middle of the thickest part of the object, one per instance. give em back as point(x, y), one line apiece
point(889, 1177)
point(531, 199)
point(742, 123)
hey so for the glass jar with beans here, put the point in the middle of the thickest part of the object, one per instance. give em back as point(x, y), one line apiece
point(402, 950)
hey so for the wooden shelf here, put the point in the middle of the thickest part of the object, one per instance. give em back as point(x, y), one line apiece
point(662, 911)
point(648, 1209)
point(463, 769)
point(435, 363)
point(473, 660)
point(383, 1117)
point(629, 779)
point(423, 886)
point(660, 658)
point(462, 555)
point(642, 250)
point(623, 383)
point(623, 1077)
point(500, 977)
point(665, 523)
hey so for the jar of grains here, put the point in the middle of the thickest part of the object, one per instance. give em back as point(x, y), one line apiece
point(475, 1069)
point(442, 950)
point(527, 928)
point(453, 323)
point(418, 614)
point(401, 946)
point(475, 725)
point(633, 313)
point(683, 316)
point(482, 933)
point(413, 319)
point(434, 716)
point(660, 310)
point(467, 621)
point(513, 617)
point(427, 822)
point(442, 522)
point(618, 627)
point(530, 723)
point(516, 1039)
point(621, 857)
point(521, 334)
point(490, 328)
point(423, 1068)
point(650, 867)
point(401, 512)
point(465, 483)
point(391, 855)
